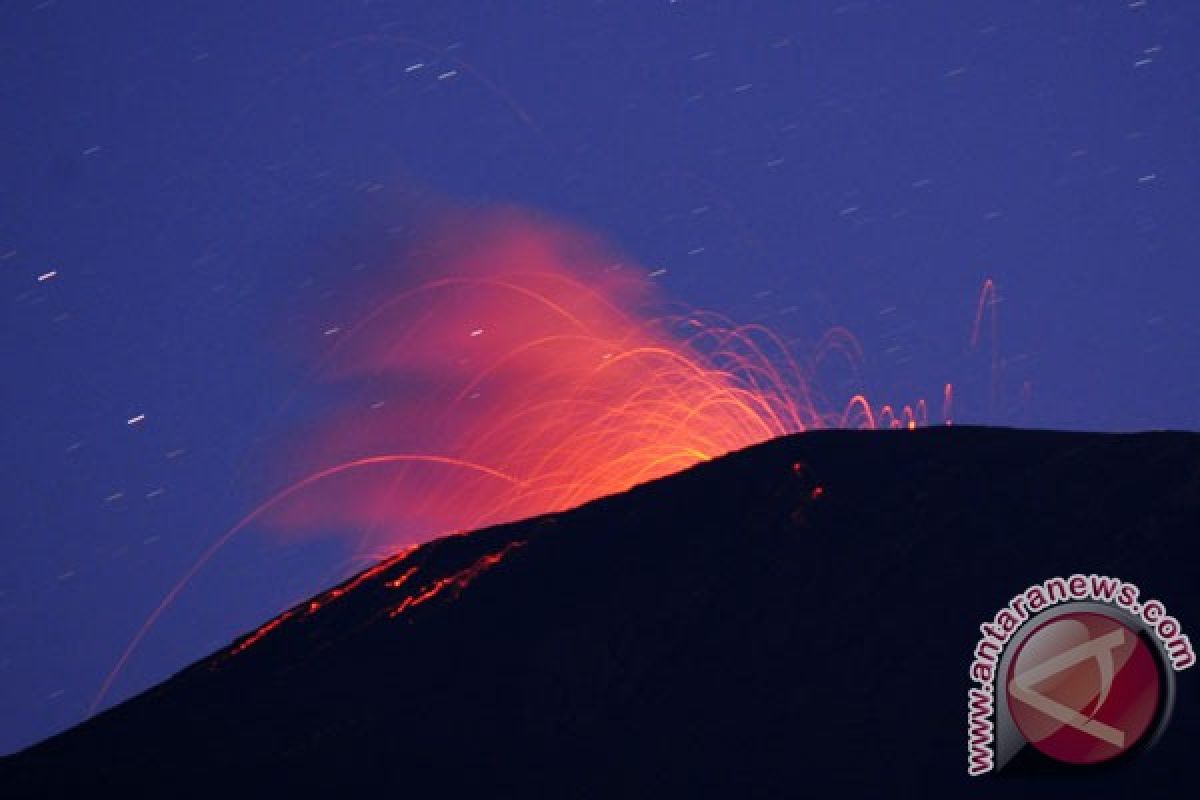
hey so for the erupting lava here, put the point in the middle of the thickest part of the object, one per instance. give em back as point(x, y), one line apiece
point(528, 374)
point(527, 356)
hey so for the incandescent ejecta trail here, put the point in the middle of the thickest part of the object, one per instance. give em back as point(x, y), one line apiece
point(526, 374)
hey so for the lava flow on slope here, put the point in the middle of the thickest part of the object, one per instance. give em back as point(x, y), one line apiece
point(794, 618)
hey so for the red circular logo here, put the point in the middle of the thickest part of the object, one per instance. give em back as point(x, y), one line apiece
point(1083, 688)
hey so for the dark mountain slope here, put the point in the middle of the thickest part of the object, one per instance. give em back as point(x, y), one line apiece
point(794, 619)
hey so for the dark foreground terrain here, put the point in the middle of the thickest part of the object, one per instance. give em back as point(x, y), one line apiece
point(792, 620)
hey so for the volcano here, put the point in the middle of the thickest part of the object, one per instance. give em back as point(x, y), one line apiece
point(790, 620)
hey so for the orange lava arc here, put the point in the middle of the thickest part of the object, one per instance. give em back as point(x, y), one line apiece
point(531, 354)
point(527, 372)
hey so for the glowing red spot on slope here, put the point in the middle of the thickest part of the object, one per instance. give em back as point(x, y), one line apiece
point(818, 492)
point(403, 579)
point(455, 583)
point(312, 606)
point(259, 634)
point(369, 574)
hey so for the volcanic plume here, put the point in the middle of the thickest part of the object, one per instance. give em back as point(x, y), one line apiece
point(529, 368)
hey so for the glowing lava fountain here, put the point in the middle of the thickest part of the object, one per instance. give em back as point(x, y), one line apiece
point(529, 351)
point(526, 373)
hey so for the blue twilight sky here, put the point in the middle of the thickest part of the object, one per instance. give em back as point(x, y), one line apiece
point(188, 191)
